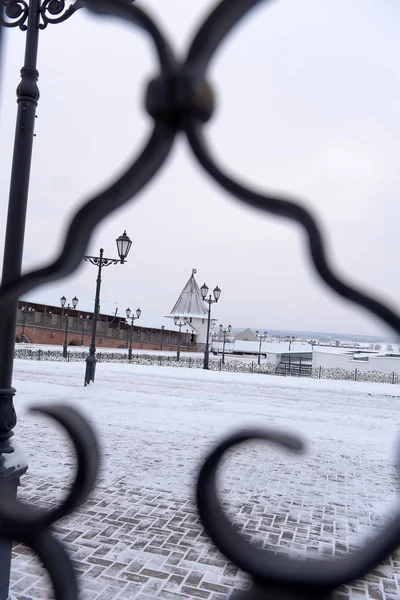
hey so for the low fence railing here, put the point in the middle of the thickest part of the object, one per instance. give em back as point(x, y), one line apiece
point(235, 366)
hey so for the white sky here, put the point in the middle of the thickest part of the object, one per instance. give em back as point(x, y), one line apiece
point(308, 96)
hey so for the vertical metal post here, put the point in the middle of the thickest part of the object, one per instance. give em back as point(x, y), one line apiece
point(65, 339)
point(24, 313)
point(223, 349)
point(91, 359)
point(178, 352)
point(161, 341)
point(130, 341)
point(259, 353)
point(207, 350)
point(27, 99)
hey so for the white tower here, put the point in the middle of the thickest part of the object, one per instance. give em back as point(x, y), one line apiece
point(191, 305)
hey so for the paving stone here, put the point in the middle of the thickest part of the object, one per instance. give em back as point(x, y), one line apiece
point(148, 543)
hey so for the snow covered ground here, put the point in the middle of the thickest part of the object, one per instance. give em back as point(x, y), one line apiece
point(139, 536)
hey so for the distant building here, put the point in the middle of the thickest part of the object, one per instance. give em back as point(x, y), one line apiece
point(351, 359)
point(246, 336)
point(45, 324)
point(191, 306)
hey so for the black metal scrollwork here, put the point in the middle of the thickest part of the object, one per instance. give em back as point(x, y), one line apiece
point(15, 14)
point(22, 523)
point(105, 262)
point(180, 101)
point(55, 11)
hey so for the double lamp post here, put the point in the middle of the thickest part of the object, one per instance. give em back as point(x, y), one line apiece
point(63, 300)
point(132, 317)
point(224, 331)
point(262, 337)
point(179, 322)
point(25, 311)
point(210, 300)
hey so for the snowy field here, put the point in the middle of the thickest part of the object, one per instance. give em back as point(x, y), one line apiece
point(139, 536)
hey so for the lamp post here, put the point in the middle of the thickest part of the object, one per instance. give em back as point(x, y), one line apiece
point(210, 300)
point(290, 339)
point(133, 318)
point(83, 319)
point(29, 16)
point(261, 337)
point(179, 322)
point(123, 246)
point(224, 331)
point(187, 340)
point(214, 338)
point(74, 304)
point(25, 310)
point(161, 336)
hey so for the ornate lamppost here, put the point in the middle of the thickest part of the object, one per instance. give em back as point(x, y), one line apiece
point(261, 337)
point(214, 338)
point(187, 340)
point(83, 320)
point(224, 332)
point(123, 246)
point(290, 339)
point(29, 16)
point(74, 304)
point(161, 336)
point(25, 311)
point(179, 322)
point(210, 300)
point(133, 318)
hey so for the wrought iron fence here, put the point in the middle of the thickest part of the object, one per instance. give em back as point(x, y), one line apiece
point(180, 100)
point(234, 366)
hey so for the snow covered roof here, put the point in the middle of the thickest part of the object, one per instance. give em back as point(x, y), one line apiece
point(154, 322)
point(190, 303)
point(269, 347)
point(340, 350)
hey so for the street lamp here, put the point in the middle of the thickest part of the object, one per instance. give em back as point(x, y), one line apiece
point(224, 331)
point(179, 322)
point(214, 338)
point(162, 335)
point(30, 16)
point(133, 319)
point(290, 339)
point(123, 246)
point(25, 310)
point(74, 304)
point(187, 340)
point(210, 300)
point(261, 337)
point(83, 319)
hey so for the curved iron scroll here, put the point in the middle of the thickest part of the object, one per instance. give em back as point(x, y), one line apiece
point(22, 523)
point(51, 11)
point(180, 101)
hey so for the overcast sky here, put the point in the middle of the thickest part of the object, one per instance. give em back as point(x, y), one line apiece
point(307, 103)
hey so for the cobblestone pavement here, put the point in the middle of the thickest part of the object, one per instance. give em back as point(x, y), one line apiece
point(139, 536)
point(133, 542)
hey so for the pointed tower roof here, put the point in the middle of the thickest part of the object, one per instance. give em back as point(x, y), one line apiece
point(190, 303)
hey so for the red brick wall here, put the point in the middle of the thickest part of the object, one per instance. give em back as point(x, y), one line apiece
point(39, 335)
